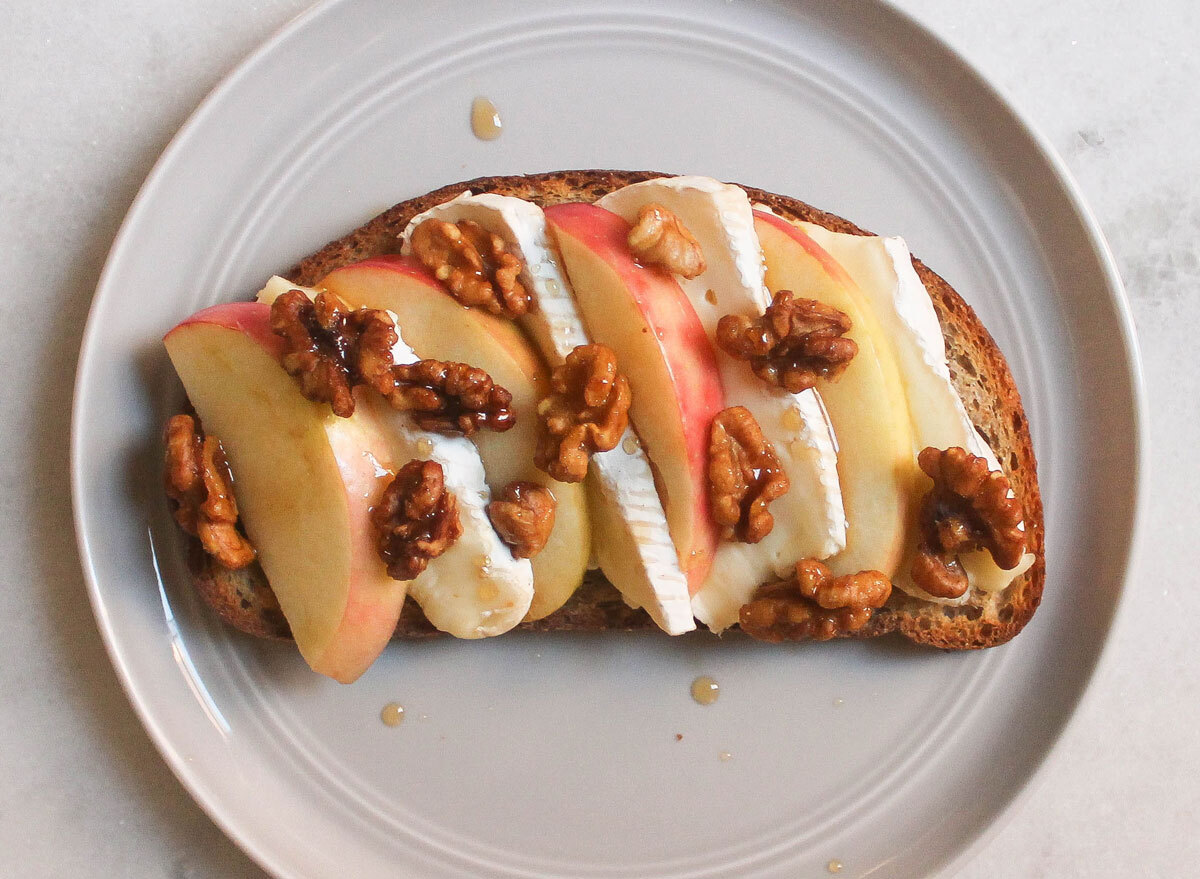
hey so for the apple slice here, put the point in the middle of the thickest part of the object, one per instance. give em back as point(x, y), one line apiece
point(438, 327)
point(867, 404)
point(630, 538)
point(476, 589)
point(809, 519)
point(643, 315)
point(305, 484)
point(882, 269)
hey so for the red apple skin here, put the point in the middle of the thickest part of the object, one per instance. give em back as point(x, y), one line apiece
point(832, 267)
point(685, 349)
point(406, 265)
point(251, 318)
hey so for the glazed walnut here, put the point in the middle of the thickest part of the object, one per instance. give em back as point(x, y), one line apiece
point(586, 412)
point(968, 508)
point(416, 519)
point(814, 604)
point(795, 343)
point(450, 398)
point(744, 476)
point(197, 479)
point(660, 238)
point(523, 516)
point(331, 348)
point(473, 264)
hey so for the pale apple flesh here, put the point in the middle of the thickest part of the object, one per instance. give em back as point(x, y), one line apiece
point(305, 481)
point(437, 327)
point(643, 315)
point(867, 404)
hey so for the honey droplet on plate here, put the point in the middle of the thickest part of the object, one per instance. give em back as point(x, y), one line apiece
point(630, 444)
point(392, 714)
point(710, 296)
point(485, 119)
point(725, 756)
point(834, 866)
point(705, 690)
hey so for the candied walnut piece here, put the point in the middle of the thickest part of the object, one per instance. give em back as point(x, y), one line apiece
point(968, 508)
point(744, 476)
point(330, 348)
point(586, 412)
point(415, 520)
point(795, 343)
point(473, 264)
point(197, 479)
point(660, 238)
point(450, 398)
point(523, 516)
point(814, 604)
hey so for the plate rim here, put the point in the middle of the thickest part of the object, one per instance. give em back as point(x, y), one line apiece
point(1139, 416)
point(189, 777)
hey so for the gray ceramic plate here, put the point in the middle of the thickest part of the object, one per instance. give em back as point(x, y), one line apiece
point(553, 756)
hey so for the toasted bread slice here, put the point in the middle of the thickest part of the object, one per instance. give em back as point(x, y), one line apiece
point(244, 599)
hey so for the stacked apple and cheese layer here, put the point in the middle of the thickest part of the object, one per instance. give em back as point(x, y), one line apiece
point(735, 417)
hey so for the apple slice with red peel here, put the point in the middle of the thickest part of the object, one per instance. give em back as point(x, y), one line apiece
point(437, 327)
point(643, 315)
point(867, 404)
point(305, 484)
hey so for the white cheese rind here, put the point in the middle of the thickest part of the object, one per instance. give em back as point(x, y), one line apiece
point(476, 588)
point(556, 326)
point(643, 564)
point(810, 520)
point(883, 270)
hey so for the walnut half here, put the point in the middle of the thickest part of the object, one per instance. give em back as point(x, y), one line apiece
point(197, 479)
point(967, 508)
point(473, 264)
point(795, 343)
point(523, 516)
point(586, 412)
point(660, 238)
point(416, 519)
point(744, 476)
point(332, 349)
point(450, 398)
point(814, 604)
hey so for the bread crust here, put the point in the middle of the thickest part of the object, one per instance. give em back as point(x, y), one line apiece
point(244, 599)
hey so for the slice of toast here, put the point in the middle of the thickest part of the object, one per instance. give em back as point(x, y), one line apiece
point(244, 598)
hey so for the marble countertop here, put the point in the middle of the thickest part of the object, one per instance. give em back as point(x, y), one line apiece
point(90, 93)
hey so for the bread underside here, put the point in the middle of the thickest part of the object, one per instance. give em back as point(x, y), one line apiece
point(244, 598)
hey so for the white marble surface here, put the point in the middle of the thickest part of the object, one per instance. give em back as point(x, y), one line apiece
point(90, 92)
